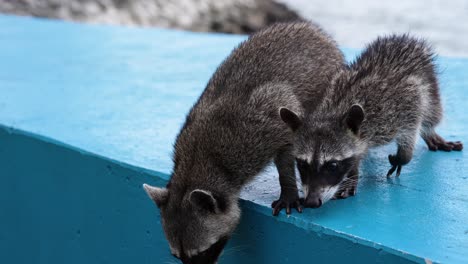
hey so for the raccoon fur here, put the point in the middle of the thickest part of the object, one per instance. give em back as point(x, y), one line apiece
point(390, 92)
point(236, 128)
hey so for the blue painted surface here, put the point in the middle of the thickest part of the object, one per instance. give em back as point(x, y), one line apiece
point(69, 206)
point(122, 93)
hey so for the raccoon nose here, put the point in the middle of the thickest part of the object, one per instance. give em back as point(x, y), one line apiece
point(312, 202)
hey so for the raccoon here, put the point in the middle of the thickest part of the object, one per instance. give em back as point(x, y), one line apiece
point(390, 92)
point(235, 129)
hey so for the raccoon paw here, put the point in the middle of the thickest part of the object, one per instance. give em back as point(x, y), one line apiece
point(435, 142)
point(287, 203)
point(457, 145)
point(396, 165)
point(345, 193)
point(446, 146)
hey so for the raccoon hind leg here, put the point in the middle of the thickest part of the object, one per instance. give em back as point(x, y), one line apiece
point(432, 114)
point(435, 142)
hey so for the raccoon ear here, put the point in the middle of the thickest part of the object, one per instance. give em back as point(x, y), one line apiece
point(354, 118)
point(290, 118)
point(203, 200)
point(158, 195)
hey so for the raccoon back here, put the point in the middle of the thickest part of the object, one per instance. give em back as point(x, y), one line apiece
point(235, 128)
point(394, 79)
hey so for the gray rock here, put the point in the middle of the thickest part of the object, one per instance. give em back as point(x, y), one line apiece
point(235, 16)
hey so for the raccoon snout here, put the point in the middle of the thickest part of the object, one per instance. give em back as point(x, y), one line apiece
point(313, 201)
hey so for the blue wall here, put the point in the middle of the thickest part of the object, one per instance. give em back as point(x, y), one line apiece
point(62, 205)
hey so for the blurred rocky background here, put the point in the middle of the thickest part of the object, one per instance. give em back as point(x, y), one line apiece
point(230, 16)
point(444, 23)
point(352, 23)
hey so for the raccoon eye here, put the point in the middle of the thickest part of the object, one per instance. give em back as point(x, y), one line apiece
point(332, 165)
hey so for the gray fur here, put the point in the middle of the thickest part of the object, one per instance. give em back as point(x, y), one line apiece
point(394, 87)
point(234, 130)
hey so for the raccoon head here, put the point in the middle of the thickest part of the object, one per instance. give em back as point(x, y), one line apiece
point(197, 223)
point(328, 150)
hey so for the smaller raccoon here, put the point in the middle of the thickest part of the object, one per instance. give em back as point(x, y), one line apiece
point(389, 92)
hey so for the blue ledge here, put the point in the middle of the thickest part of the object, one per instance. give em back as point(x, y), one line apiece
point(88, 113)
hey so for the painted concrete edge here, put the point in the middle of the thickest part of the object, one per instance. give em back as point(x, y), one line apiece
point(310, 226)
point(12, 130)
point(291, 219)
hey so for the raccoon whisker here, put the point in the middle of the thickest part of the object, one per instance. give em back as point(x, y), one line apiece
point(347, 183)
point(329, 193)
point(343, 186)
point(351, 178)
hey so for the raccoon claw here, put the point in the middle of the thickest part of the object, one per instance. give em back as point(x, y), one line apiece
point(457, 145)
point(345, 193)
point(436, 142)
point(392, 169)
point(395, 166)
point(281, 203)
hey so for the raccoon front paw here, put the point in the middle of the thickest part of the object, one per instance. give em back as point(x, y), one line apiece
point(345, 193)
point(396, 165)
point(288, 203)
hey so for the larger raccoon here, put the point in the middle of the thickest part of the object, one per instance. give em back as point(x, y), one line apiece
point(389, 92)
point(235, 129)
